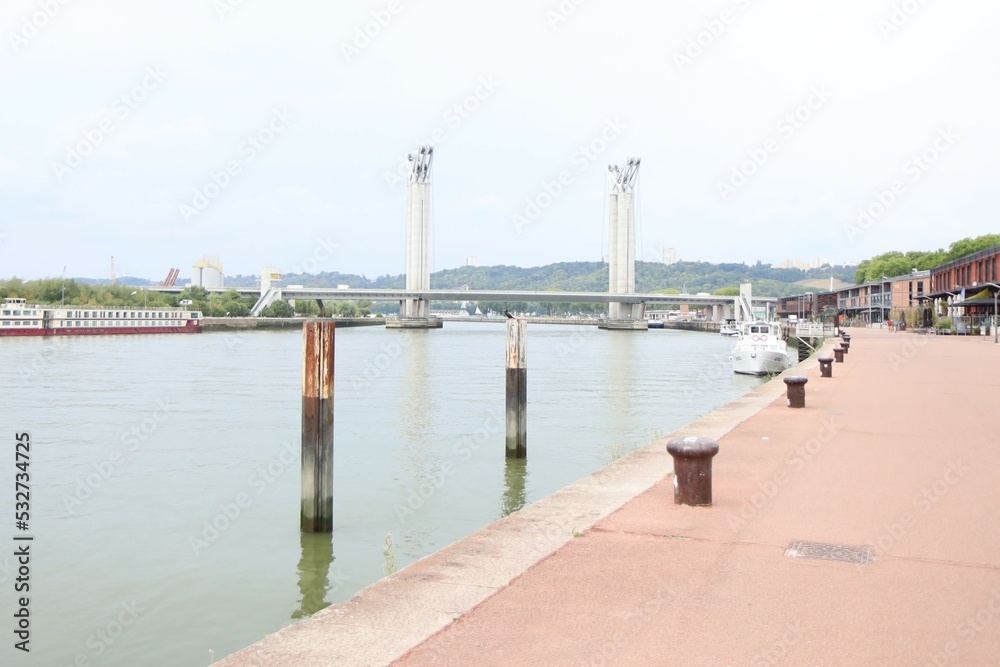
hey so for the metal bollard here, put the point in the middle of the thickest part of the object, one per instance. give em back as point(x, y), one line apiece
point(846, 345)
point(693, 469)
point(796, 391)
point(826, 367)
point(838, 354)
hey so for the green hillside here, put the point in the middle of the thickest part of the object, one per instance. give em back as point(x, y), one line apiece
point(689, 277)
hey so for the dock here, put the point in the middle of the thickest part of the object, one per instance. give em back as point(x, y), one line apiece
point(224, 323)
point(857, 530)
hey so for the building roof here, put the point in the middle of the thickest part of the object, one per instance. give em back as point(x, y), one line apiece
point(971, 257)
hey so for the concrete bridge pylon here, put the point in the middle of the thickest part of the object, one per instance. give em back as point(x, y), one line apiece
point(415, 313)
point(621, 247)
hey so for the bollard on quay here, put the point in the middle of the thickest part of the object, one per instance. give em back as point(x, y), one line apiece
point(796, 391)
point(846, 345)
point(693, 469)
point(838, 354)
point(826, 367)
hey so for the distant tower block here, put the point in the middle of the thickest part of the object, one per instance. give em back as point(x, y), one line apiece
point(621, 247)
point(415, 313)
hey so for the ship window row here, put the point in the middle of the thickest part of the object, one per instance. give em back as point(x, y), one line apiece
point(122, 314)
point(121, 323)
point(104, 314)
point(17, 323)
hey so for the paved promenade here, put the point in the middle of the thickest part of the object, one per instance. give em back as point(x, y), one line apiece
point(898, 452)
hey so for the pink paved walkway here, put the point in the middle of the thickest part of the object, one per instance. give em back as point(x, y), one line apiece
point(899, 451)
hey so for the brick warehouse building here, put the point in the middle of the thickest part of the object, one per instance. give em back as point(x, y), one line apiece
point(875, 301)
point(966, 272)
point(964, 288)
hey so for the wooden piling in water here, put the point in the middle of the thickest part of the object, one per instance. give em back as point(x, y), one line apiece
point(317, 427)
point(517, 389)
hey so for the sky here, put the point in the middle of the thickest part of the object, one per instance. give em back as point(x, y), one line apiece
point(275, 133)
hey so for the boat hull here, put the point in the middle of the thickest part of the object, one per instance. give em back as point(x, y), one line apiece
point(760, 362)
point(101, 331)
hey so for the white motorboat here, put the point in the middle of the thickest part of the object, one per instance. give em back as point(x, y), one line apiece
point(761, 350)
point(729, 328)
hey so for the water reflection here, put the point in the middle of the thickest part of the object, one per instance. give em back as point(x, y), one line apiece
point(622, 385)
point(415, 426)
point(314, 573)
point(514, 475)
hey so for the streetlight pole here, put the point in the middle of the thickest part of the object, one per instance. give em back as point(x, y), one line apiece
point(881, 298)
point(949, 308)
point(143, 296)
point(995, 292)
point(870, 288)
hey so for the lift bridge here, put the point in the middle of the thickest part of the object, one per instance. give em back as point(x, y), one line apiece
point(626, 307)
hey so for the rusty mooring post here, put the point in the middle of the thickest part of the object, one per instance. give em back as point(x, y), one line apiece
point(826, 367)
point(838, 354)
point(517, 389)
point(692, 469)
point(796, 391)
point(846, 345)
point(317, 427)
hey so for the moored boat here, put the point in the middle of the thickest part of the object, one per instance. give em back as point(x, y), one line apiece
point(18, 318)
point(761, 350)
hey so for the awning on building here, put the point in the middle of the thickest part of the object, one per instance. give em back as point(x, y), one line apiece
point(972, 293)
point(988, 303)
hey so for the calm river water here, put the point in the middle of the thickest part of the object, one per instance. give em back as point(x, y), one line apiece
point(166, 483)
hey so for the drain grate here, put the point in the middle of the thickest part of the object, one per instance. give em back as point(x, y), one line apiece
point(843, 553)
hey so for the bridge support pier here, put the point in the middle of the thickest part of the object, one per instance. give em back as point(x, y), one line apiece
point(627, 317)
point(410, 322)
point(415, 313)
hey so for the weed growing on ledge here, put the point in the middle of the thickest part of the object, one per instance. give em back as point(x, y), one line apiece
point(388, 555)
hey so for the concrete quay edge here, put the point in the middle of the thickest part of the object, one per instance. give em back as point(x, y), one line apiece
point(392, 616)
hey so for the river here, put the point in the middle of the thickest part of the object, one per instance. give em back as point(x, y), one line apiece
point(165, 478)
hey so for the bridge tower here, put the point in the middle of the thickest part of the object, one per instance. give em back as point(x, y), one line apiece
point(415, 313)
point(621, 247)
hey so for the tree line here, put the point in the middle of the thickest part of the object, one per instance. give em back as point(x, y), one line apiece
point(54, 291)
point(897, 263)
point(689, 277)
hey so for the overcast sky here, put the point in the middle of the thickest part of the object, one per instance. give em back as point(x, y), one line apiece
point(763, 127)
